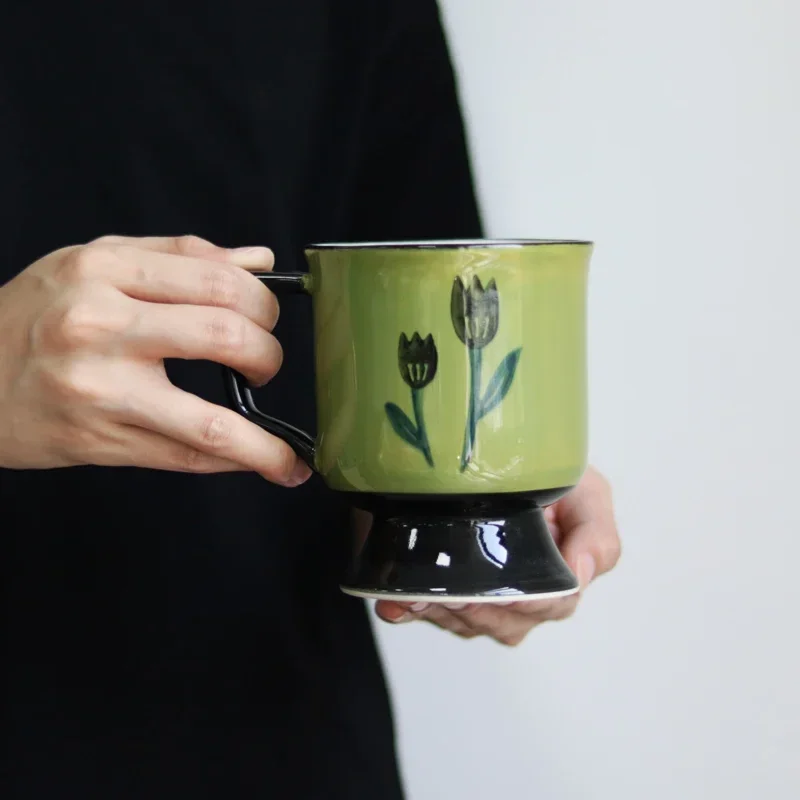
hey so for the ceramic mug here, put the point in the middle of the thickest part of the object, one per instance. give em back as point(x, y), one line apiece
point(451, 392)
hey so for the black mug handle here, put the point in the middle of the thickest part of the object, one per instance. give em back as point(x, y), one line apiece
point(239, 393)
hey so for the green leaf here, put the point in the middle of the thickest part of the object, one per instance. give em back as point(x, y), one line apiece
point(402, 425)
point(500, 383)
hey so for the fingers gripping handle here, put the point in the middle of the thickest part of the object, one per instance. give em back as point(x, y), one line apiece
point(240, 395)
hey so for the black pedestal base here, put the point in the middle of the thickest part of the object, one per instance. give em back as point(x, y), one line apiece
point(473, 548)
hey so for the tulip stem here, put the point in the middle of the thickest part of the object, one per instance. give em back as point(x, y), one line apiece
point(419, 419)
point(475, 364)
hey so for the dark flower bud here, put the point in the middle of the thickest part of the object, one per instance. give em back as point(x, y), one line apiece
point(417, 360)
point(475, 312)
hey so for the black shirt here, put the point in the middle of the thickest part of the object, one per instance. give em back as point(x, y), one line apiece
point(177, 636)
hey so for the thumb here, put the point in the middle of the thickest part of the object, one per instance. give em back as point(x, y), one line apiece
point(590, 541)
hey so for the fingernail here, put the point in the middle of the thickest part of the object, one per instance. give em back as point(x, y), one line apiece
point(251, 256)
point(586, 569)
point(418, 606)
point(401, 619)
point(454, 606)
point(300, 474)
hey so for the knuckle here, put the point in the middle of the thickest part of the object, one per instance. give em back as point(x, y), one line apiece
point(215, 432)
point(86, 316)
point(190, 459)
point(105, 241)
point(222, 288)
point(190, 245)
point(74, 327)
point(85, 263)
point(226, 333)
point(73, 382)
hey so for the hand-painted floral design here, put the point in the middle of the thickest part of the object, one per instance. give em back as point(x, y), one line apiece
point(475, 313)
point(417, 360)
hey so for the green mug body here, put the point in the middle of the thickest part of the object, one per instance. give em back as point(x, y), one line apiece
point(452, 368)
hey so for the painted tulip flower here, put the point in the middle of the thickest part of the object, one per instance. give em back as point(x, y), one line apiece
point(475, 312)
point(417, 359)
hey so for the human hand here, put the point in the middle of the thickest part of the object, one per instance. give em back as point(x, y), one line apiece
point(84, 333)
point(583, 526)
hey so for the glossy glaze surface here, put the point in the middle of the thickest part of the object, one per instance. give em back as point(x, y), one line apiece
point(475, 548)
point(453, 370)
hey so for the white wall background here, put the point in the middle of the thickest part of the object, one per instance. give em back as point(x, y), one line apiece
point(669, 132)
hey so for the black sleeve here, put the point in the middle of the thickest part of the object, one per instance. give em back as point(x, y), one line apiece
point(414, 178)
